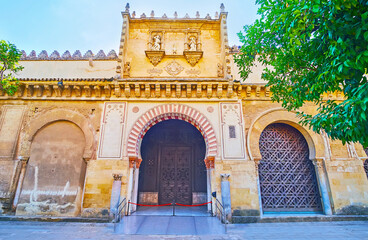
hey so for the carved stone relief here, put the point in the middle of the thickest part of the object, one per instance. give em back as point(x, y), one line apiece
point(232, 131)
point(193, 72)
point(126, 72)
point(173, 68)
point(154, 72)
point(112, 126)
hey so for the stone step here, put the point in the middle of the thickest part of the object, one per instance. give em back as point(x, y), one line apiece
point(298, 218)
point(170, 225)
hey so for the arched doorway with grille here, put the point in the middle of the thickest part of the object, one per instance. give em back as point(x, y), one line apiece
point(288, 181)
point(173, 167)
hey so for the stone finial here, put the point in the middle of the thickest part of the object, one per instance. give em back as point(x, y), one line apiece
point(152, 13)
point(222, 7)
point(55, 55)
point(197, 15)
point(216, 14)
point(208, 16)
point(32, 55)
point(88, 54)
point(77, 55)
point(143, 15)
point(186, 16)
point(127, 7)
point(100, 55)
point(66, 55)
point(175, 14)
point(133, 14)
point(112, 55)
point(164, 16)
point(24, 55)
point(43, 55)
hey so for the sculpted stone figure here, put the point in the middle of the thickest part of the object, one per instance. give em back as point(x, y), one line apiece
point(192, 44)
point(156, 43)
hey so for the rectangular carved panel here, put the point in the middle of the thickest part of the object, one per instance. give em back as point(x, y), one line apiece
point(232, 131)
point(10, 123)
point(112, 126)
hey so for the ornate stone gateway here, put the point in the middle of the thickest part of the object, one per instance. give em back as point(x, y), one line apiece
point(173, 167)
point(287, 176)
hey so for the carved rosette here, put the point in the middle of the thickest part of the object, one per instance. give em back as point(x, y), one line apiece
point(173, 68)
point(155, 57)
point(193, 57)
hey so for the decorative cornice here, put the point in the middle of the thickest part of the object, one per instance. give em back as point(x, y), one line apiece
point(55, 56)
point(95, 89)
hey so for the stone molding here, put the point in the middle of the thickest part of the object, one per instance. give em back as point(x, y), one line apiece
point(171, 111)
point(62, 115)
point(280, 115)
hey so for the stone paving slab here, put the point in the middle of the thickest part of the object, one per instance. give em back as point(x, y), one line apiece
point(105, 231)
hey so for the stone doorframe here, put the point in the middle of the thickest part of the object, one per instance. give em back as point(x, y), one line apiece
point(158, 114)
point(316, 144)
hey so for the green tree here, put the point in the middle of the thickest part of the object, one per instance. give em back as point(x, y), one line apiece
point(310, 48)
point(9, 57)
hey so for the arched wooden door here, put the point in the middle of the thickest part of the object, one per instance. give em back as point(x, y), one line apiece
point(287, 177)
point(173, 168)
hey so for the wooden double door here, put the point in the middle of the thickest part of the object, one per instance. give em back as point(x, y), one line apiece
point(175, 175)
point(172, 166)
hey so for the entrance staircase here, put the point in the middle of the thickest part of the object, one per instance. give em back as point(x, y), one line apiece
point(160, 221)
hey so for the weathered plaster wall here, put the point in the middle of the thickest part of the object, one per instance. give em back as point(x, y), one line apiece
point(253, 78)
point(37, 115)
point(68, 69)
point(99, 179)
point(53, 183)
point(243, 185)
point(347, 178)
point(11, 121)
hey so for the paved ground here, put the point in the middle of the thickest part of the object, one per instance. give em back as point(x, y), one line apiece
point(101, 231)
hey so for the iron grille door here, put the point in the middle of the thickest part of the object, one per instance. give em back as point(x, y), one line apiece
point(287, 176)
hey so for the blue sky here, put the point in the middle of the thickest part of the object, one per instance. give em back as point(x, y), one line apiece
point(96, 24)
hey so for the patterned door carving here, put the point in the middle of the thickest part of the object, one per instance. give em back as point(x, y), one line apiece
point(175, 177)
point(287, 177)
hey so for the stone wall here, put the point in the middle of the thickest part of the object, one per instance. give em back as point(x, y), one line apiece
point(53, 183)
